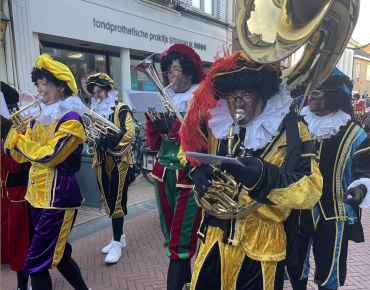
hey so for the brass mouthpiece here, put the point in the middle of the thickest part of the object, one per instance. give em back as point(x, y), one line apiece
point(239, 114)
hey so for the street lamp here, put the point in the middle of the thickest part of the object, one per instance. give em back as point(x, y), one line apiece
point(4, 22)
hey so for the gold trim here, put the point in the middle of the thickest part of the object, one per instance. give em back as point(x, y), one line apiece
point(72, 133)
point(333, 261)
point(360, 151)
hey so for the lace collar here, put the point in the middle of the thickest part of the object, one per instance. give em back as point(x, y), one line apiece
point(262, 129)
point(181, 100)
point(54, 112)
point(104, 109)
point(326, 126)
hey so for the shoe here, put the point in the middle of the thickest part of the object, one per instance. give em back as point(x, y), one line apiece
point(106, 249)
point(115, 252)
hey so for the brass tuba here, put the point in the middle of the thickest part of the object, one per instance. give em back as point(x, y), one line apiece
point(19, 122)
point(96, 126)
point(270, 31)
point(147, 67)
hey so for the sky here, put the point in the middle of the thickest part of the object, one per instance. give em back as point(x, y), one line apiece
point(361, 33)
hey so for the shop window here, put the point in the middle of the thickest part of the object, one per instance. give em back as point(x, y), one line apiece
point(81, 64)
point(139, 81)
point(368, 72)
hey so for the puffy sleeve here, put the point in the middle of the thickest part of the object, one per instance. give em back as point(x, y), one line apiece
point(68, 135)
point(123, 138)
point(301, 189)
point(153, 138)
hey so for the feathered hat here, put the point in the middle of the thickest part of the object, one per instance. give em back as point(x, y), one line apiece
point(205, 95)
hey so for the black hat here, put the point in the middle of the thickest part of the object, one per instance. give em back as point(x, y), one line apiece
point(337, 80)
point(11, 95)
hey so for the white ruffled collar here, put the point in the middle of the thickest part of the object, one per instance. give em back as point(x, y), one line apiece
point(181, 100)
point(262, 129)
point(104, 109)
point(326, 126)
point(54, 112)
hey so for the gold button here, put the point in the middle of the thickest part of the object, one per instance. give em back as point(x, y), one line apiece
point(176, 143)
point(173, 154)
point(34, 170)
point(171, 164)
point(32, 182)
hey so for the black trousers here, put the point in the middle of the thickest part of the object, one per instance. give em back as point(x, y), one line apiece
point(329, 241)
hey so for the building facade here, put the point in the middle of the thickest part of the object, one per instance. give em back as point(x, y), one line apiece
point(361, 72)
point(109, 36)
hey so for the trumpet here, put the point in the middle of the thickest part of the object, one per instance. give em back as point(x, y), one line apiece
point(98, 126)
point(18, 122)
point(147, 67)
point(218, 199)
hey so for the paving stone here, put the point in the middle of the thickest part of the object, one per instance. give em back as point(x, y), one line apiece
point(144, 263)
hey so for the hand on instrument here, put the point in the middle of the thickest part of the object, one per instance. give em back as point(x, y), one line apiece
point(5, 127)
point(249, 174)
point(164, 125)
point(201, 175)
point(358, 194)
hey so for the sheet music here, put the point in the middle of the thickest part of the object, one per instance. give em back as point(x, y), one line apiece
point(4, 108)
point(213, 159)
point(141, 101)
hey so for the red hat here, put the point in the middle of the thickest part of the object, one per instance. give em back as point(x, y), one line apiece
point(190, 53)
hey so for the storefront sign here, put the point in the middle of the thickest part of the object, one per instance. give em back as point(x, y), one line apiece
point(143, 34)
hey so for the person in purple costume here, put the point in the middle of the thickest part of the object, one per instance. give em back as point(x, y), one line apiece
point(53, 144)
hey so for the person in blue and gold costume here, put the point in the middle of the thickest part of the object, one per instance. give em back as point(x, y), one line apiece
point(247, 252)
point(343, 149)
point(113, 171)
point(53, 144)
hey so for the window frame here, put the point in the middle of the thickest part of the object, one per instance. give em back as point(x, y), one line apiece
point(202, 4)
point(358, 70)
point(368, 72)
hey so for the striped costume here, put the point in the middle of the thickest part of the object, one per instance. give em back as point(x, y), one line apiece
point(178, 211)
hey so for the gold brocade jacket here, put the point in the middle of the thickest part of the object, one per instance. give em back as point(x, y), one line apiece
point(55, 153)
point(122, 118)
point(261, 233)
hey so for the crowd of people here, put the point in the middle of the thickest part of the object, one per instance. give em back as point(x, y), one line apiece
point(308, 173)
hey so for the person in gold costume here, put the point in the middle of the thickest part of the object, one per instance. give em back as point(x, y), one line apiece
point(248, 252)
point(53, 144)
point(113, 171)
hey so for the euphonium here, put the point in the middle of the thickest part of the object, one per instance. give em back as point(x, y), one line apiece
point(268, 32)
point(98, 126)
point(218, 199)
point(147, 67)
point(19, 123)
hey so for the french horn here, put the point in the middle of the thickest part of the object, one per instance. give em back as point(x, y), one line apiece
point(270, 31)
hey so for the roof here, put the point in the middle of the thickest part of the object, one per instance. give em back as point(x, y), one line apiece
point(361, 53)
point(366, 48)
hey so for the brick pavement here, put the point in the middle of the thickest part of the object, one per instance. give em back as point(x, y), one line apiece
point(144, 263)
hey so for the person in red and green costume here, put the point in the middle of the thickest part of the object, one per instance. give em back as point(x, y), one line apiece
point(178, 211)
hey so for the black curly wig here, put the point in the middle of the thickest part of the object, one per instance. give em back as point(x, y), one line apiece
point(188, 67)
point(264, 82)
point(40, 73)
point(336, 100)
point(91, 86)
